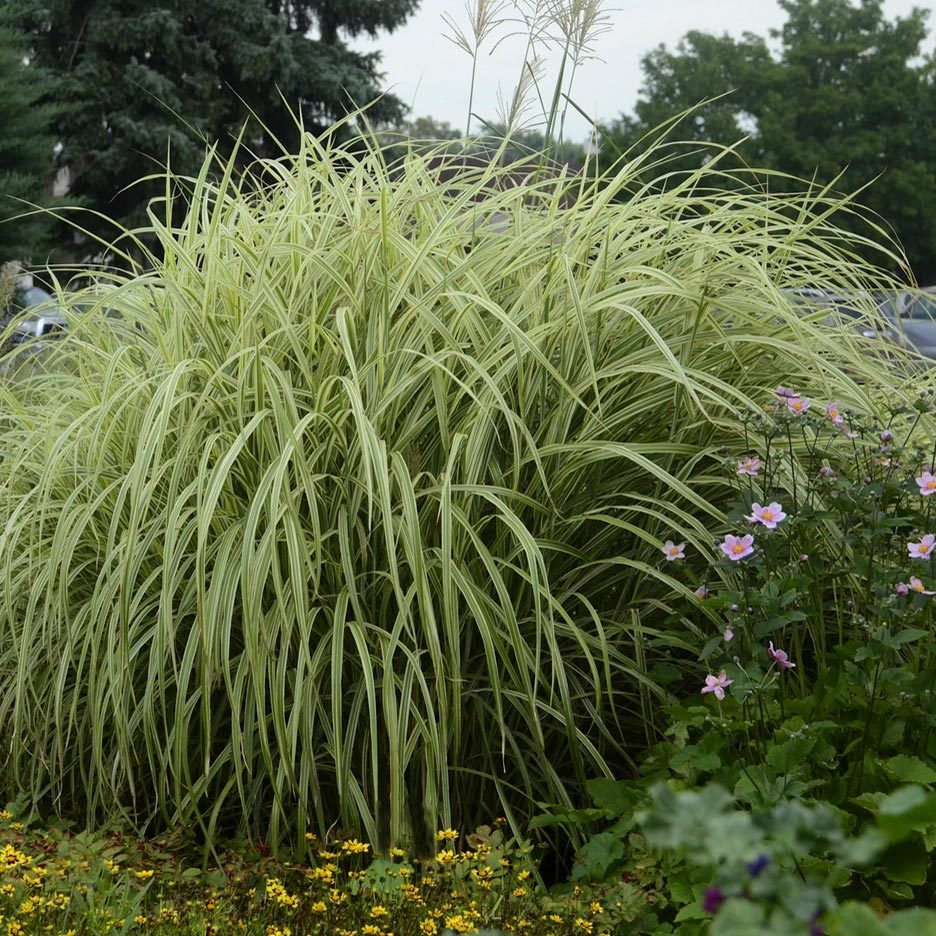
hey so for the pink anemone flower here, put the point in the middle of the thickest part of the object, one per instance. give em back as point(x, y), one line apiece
point(798, 406)
point(923, 549)
point(749, 466)
point(780, 657)
point(673, 550)
point(770, 515)
point(737, 547)
point(717, 684)
point(917, 586)
point(927, 483)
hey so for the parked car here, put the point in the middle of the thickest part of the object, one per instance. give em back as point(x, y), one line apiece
point(863, 311)
point(913, 313)
point(42, 319)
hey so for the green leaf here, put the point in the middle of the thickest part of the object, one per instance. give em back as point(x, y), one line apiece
point(909, 769)
point(906, 810)
point(854, 919)
point(598, 856)
point(617, 797)
point(862, 850)
point(692, 911)
point(914, 921)
point(562, 816)
point(906, 862)
point(738, 918)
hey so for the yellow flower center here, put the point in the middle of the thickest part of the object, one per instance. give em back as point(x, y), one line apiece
point(737, 548)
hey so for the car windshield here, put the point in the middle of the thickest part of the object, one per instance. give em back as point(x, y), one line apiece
point(923, 307)
point(847, 311)
point(34, 296)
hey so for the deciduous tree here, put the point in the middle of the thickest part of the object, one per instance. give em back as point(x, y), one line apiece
point(846, 92)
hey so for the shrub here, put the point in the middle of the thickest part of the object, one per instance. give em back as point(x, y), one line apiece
point(351, 507)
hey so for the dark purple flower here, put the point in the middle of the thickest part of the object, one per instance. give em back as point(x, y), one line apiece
point(757, 865)
point(887, 436)
point(712, 900)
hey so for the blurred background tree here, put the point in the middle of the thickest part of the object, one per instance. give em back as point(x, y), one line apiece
point(150, 83)
point(846, 91)
point(27, 147)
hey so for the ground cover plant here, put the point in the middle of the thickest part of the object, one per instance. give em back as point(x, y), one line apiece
point(53, 880)
point(353, 509)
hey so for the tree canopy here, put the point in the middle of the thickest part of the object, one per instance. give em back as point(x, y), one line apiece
point(847, 91)
point(27, 146)
point(147, 83)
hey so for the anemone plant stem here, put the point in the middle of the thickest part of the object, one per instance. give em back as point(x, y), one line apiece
point(792, 465)
point(858, 772)
point(911, 431)
point(922, 743)
point(812, 463)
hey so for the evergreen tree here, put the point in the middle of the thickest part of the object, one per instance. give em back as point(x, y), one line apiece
point(155, 82)
point(27, 148)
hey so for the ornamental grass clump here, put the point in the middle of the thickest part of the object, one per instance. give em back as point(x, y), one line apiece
point(349, 508)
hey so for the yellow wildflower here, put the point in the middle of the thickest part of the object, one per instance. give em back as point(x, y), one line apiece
point(446, 835)
point(144, 875)
point(354, 847)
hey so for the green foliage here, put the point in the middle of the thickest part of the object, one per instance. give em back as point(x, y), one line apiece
point(847, 93)
point(353, 510)
point(731, 869)
point(147, 83)
point(827, 749)
point(57, 880)
point(776, 869)
point(26, 146)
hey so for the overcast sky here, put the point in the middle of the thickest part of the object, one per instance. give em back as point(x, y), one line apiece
point(429, 73)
